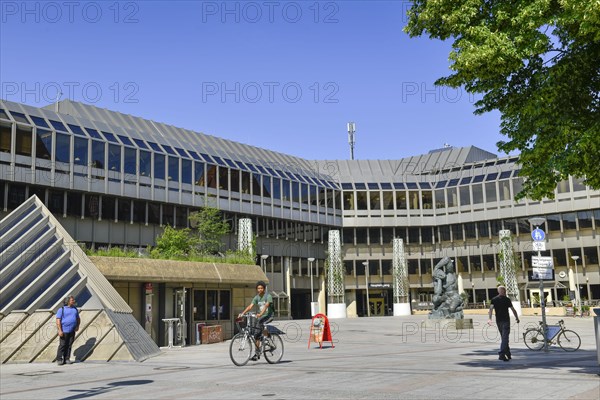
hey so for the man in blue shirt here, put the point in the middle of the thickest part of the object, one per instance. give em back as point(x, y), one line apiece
point(67, 322)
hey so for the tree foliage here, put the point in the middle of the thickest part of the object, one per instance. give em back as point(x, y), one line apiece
point(538, 63)
point(210, 226)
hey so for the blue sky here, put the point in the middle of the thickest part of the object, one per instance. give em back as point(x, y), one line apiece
point(285, 75)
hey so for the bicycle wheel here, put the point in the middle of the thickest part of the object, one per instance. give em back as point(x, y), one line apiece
point(533, 339)
point(569, 340)
point(240, 349)
point(273, 348)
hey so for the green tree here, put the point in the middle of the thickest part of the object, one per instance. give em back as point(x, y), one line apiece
point(174, 243)
point(211, 227)
point(538, 63)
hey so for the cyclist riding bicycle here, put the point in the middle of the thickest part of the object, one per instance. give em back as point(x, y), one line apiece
point(264, 301)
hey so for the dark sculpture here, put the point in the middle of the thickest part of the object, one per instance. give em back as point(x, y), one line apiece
point(447, 302)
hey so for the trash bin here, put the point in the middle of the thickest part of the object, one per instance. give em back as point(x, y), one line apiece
point(212, 334)
point(170, 324)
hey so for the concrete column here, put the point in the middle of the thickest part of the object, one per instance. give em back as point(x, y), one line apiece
point(322, 300)
point(288, 284)
point(571, 279)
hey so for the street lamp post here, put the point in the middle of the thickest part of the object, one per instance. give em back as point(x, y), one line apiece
point(577, 293)
point(310, 268)
point(537, 221)
point(263, 262)
point(313, 306)
point(366, 264)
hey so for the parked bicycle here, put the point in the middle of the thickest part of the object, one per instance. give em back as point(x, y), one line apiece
point(567, 339)
point(243, 345)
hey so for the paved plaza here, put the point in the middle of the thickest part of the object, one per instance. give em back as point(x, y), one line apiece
point(374, 358)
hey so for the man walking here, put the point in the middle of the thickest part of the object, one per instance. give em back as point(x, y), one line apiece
point(67, 322)
point(502, 304)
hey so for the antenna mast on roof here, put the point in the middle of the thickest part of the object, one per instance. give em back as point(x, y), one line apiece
point(58, 96)
point(351, 130)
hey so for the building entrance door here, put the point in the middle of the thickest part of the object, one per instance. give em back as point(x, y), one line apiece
point(377, 305)
point(535, 297)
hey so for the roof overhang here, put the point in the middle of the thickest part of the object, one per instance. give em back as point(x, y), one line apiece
point(547, 285)
point(153, 270)
point(279, 295)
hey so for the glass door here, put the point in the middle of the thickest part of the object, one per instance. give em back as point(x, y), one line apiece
point(179, 312)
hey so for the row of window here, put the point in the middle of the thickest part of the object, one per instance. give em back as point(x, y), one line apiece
point(411, 168)
point(480, 296)
point(210, 305)
point(111, 208)
point(298, 266)
point(588, 257)
point(120, 151)
point(478, 193)
point(138, 211)
point(133, 163)
point(438, 184)
point(572, 221)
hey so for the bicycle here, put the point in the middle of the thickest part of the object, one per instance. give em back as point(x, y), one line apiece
point(243, 344)
point(567, 339)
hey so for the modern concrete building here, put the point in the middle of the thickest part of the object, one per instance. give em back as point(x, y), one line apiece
point(114, 180)
point(453, 202)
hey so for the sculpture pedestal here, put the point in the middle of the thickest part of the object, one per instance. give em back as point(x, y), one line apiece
point(466, 323)
point(336, 310)
point(402, 309)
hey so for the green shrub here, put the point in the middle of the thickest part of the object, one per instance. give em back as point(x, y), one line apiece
point(112, 252)
point(174, 244)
